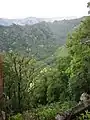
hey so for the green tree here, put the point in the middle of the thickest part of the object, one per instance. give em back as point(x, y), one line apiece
point(18, 76)
point(80, 54)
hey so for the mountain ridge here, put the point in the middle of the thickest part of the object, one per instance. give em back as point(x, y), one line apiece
point(31, 20)
point(39, 40)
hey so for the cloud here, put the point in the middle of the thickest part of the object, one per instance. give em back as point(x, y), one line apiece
point(42, 8)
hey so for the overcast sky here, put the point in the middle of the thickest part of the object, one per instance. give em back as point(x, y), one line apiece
point(42, 8)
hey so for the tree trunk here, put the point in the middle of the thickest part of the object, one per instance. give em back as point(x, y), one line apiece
point(19, 89)
point(1, 82)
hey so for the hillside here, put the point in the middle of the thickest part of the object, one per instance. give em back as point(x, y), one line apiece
point(45, 70)
point(40, 40)
point(61, 52)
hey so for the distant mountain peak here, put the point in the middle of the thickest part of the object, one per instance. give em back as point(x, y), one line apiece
point(31, 20)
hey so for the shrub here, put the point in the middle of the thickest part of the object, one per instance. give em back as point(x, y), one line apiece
point(85, 116)
point(16, 117)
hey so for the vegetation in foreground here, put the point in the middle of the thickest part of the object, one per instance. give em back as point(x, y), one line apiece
point(38, 91)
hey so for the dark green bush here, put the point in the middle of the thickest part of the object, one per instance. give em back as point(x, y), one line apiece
point(17, 117)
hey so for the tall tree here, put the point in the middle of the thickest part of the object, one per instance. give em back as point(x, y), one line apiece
point(80, 53)
point(18, 71)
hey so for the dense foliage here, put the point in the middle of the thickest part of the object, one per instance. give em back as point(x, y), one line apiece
point(38, 90)
point(40, 40)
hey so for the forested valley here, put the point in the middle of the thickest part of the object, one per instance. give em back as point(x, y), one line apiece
point(46, 67)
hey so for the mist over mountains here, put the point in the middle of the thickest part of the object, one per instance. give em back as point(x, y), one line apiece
point(31, 20)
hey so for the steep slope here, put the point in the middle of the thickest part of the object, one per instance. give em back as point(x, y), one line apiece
point(35, 40)
point(62, 28)
point(40, 40)
point(61, 52)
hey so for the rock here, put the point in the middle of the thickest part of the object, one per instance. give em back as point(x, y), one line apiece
point(3, 115)
point(59, 117)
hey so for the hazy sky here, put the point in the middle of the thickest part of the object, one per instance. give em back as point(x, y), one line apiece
point(42, 8)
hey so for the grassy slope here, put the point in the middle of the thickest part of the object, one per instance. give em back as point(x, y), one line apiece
point(61, 51)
